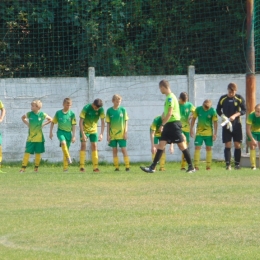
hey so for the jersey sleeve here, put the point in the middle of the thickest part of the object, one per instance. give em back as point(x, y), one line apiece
point(107, 117)
point(73, 119)
point(249, 120)
point(55, 119)
point(1, 104)
point(83, 113)
point(215, 116)
point(195, 113)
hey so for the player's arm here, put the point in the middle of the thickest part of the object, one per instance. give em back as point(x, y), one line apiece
point(51, 129)
point(249, 133)
point(215, 127)
point(73, 134)
point(25, 120)
point(166, 118)
point(219, 107)
point(48, 120)
point(108, 131)
point(102, 129)
point(126, 129)
point(84, 138)
point(2, 114)
point(241, 112)
point(192, 126)
point(152, 133)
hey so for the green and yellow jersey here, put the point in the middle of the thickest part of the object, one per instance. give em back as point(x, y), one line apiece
point(65, 121)
point(172, 101)
point(155, 126)
point(1, 104)
point(185, 110)
point(90, 118)
point(35, 126)
point(254, 122)
point(117, 119)
point(205, 119)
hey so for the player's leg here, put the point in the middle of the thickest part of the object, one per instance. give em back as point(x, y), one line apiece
point(209, 143)
point(113, 144)
point(183, 161)
point(39, 149)
point(29, 149)
point(94, 153)
point(198, 143)
point(226, 139)
point(252, 155)
point(82, 153)
point(122, 145)
point(162, 161)
point(237, 138)
point(65, 139)
point(1, 151)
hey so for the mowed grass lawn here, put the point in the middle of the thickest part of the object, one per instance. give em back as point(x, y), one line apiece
point(129, 215)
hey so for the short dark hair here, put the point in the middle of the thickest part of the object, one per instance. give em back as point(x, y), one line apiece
point(98, 102)
point(232, 86)
point(184, 96)
point(164, 83)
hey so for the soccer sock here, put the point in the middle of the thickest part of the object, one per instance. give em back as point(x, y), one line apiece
point(183, 161)
point(227, 154)
point(187, 157)
point(208, 158)
point(153, 155)
point(37, 159)
point(65, 150)
point(1, 154)
point(157, 158)
point(116, 162)
point(82, 157)
point(65, 163)
point(253, 158)
point(237, 156)
point(95, 159)
point(26, 158)
point(162, 160)
point(196, 158)
point(127, 161)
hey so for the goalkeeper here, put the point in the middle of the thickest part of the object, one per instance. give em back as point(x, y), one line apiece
point(230, 107)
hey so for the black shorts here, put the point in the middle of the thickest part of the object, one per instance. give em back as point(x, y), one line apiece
point(236, 134)
point(172, 132)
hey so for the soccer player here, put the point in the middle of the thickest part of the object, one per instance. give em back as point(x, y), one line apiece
point(170, 128)
point(117, 126)
point(2, 116)
point(89, 117)
point(186, 110)
point(155, 135)
point(253, 134)
point(35, 141)
point(230, 107)
point(66, 121)
point(206, 115)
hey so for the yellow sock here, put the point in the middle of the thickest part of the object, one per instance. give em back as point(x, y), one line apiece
point(65, 163)
point(127, 162)
point(95, 159)
point(116, 162)
point(65, 150)
point(162, 160)
point(153, 155)
point(208, 158)
point(183, 161)
point(37, 159)
point(196, 158)
point(253, 158)
point(26, 158)
point(1, 154)
point(82, 157)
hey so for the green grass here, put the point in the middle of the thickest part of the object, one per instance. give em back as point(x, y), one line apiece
point(129, 215)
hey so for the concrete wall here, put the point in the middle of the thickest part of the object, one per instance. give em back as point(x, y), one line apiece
point(141, 97)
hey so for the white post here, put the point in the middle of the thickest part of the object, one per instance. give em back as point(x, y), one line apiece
point(91, 83)
point(191, 84)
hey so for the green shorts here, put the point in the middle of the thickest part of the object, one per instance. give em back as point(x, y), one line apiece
point(187, 135)
point(64, 136)
point(156, 140)
point(255, 135)
point(208, 140)
point(34, 147)
point(92, 137)
point(0, 139)
point(121, 142)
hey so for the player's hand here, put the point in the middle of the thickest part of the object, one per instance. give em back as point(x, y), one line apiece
point(192, 133)
point(1, 120)
point(51, 135)
point(100, 137)
point(224, 118)
point(73, 140)
point(254, 142)
point(125, 136)
point(214, 137)
point(232, 118)
point(153, 150)
point(171, 149)
point(84, 138)
point(161, 128)
point(108, 138)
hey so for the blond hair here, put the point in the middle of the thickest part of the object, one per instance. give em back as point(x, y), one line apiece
point(38, 103)
point(116, 97)
point(257, 106)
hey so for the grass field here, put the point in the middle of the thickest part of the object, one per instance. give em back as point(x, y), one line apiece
point(129, 215)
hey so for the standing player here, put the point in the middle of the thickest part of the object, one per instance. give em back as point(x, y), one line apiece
point(206, 115)
point(89, 117)
point(2, 116)
point(155, 136)
point(186, 110)
point(230, 107)
point(253, 134)
point(170, 128)
point(35, 141)
point(117, 126)
point(66, 124)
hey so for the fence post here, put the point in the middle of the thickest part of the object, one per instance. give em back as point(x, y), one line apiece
point(191, 84)
point(91, 83)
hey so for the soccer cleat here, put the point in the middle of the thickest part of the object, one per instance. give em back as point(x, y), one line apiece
point(237, 167)
point(228, 167)
point(208, 168)
point(196, 168)
point(82, 170)
point(147, 169)
point(36, 169)
point(127, 169)
point(191, 170)
point(116, 169)
point(253, 168)
point(22, 170)
point(162, 169)
point(96, 170)
point(65, 170)
point(69, 160)
point(183, 169)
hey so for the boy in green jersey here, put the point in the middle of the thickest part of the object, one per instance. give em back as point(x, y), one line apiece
point(253, 134)
point(89, 117)
point(35, 141)
point(155, 135)
point(117, 126)
point(186, 110)
point(206, 114)
point(2, 109)
point(170, 129)
point(66, 124)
